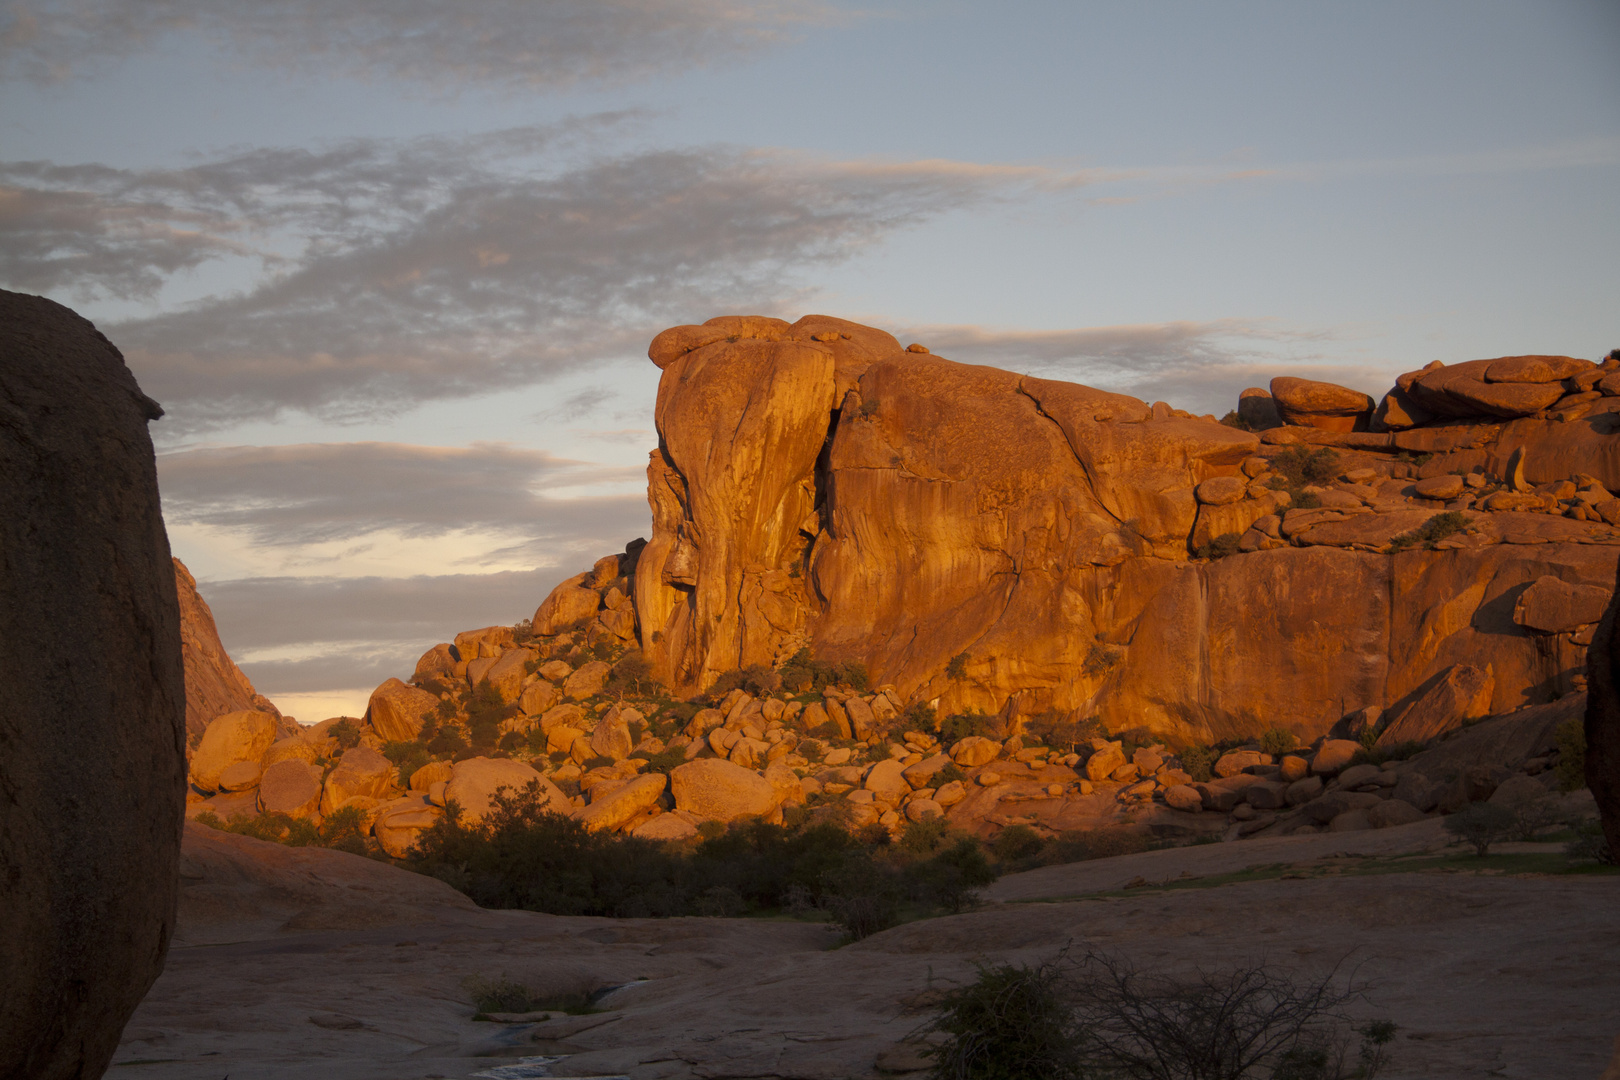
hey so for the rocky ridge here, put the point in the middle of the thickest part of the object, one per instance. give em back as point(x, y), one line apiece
point(1058, 591)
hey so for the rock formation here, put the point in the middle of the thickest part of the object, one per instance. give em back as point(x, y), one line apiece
point(214, 684)
point(1603, 721)
point(816, 484)
point(92, 706)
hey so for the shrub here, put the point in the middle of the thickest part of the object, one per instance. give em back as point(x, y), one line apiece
point(1233, 420)
point(1437, 527)
point(1016, 843)
point(1481, 824)
point(346, 734)
point(757, 679)
point(949, 773)
point(447, 741)
point(503, 995)
point(1571, 740)
point(920, 716)
point(957, 668)
point(1198, 762)
point(345, 829)
point(1219, 547)
point(1081, 845)
point(1221, 1025)
point(1012, 1022)
point(408, 756)
point(1589, 844)
point(210, 819)
point(667, 759)
point(1061, 730)
point(959, 726)
point(632, 675)
point(802, 672)
point(1298, 466)
point(1277, 741)
point(953, 877)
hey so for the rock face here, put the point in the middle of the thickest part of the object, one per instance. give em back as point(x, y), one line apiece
point(1603, 721)
point(93, 703)
point(214, 684)
point(816, 485)
point(233, 739)
point(397, 710)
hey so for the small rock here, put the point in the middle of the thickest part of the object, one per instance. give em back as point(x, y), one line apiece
point(1237, 761)
point(1293, 767)
point(1183, 797)
point(1334, 755)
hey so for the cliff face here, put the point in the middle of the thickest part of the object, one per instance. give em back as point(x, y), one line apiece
point(816, 484)
point(214, 684)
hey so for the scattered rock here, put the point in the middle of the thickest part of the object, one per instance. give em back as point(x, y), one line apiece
point(1183, 797)
point(1230, 764)
point(360, 772)
point(623, 804)
point(1334, 755)
point(975, 750)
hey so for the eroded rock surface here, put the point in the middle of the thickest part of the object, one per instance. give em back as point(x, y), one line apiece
point(93, 702)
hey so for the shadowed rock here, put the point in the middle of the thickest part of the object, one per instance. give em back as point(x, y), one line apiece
point(92, 706)
point(1603, 722)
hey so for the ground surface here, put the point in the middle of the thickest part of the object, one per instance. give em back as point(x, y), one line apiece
point(300, 963)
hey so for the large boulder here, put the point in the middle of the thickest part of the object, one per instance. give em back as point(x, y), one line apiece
point(93, 701)
point(439, 660)
point(587, 681)
point(397, 711)
point(617, 808)
point(399, 823)
point(1552, 605)
point(1462, 693)
point(720, 791)
point(474, 783)
point(229, 739)
point(506, 675)
point(361, 771)
point(1320, 404)
point(290, 786)
point(1602, 721)
point(567, 606)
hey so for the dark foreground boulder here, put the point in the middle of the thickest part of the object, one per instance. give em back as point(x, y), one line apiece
point(1603, 721)
point(92, 700)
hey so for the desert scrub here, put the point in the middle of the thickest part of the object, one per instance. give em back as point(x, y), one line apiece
point(1571, 741)
point(1277, 742)
point(957, 668)
point(1101, 1018)
point(1219, 547)
point(1482, 824)
point(1198, 762)
point(1296, 466)
point(1438, 527)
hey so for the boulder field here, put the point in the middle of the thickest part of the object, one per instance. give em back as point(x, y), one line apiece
point(92, 704)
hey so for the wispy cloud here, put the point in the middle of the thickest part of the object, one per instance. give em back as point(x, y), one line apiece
point(513, 43)
point(1197, 365)
point(395, 272)
point(324, 492)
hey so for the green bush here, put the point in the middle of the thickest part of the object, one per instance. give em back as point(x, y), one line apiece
point(1277, 742)
point(920, 716)
point(1218, 547)
point(803, 673)
point(667, 759)
point(1013, 1022)
point(1589, 844)
point(632, 675)
point(957, 668)
point(1571, 740)
point(757, 679)
point(503, 995)
point(1233, 420)
point(959, 726)
point(1198, 762)
point(346, 734)
point(1297, 466)
point(408, 756)
point(1015, 843)
point(1081, 845)
point(1481, 824)
point(1437, 527)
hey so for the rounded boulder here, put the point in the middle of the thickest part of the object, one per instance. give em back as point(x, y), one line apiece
point(721, 791)
point(475, 782)
point(234, 737)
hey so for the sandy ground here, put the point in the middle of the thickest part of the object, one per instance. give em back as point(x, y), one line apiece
point(316, 964)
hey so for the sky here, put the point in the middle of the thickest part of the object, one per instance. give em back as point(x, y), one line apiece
point(392, 266)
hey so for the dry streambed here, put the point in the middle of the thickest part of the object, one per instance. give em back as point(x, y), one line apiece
point(321, 964)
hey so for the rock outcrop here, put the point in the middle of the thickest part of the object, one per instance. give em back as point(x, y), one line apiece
point(817, 485)
point(93, 703)
point(214, 684)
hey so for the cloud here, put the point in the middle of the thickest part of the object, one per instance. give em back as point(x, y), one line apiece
point(301, 635)
point(389, 273)
point(1197, 365)
point(505, 43)
point(323, 492)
